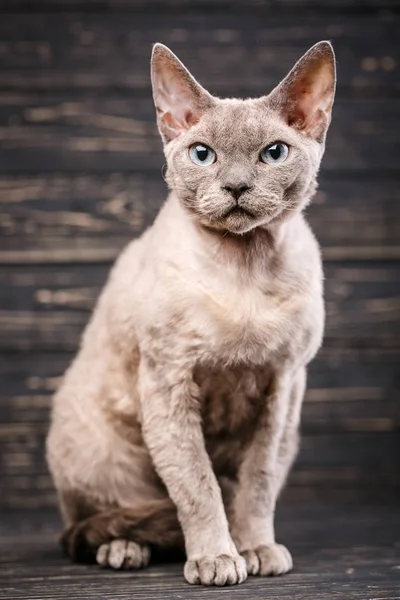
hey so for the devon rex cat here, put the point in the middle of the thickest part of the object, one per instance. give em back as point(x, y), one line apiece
point(177, 422)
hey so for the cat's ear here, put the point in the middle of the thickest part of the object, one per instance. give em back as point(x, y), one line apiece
point(305, 97)
point(180, 101)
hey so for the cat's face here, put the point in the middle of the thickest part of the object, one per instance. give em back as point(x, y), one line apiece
point(238, 164)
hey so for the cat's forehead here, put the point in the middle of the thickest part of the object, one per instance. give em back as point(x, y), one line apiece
point(248, 124)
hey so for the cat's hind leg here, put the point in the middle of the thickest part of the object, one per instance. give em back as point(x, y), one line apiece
point(123, 554)
point(120, 538)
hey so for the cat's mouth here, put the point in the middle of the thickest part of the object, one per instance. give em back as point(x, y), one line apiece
point(238, 219)
point(238, 211)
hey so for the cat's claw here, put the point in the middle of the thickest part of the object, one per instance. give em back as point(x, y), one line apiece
point(274, 559)
point(216, 570)
point(122, 554)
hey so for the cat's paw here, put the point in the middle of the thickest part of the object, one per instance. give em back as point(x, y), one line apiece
point(122, 554)
point(273, 559)
point(216, 570)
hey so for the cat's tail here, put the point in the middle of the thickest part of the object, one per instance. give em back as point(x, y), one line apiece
point(155, 524)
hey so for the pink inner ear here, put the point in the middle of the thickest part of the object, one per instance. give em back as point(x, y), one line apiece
point(183, 107)
point(171, 123)
point(192, 118)
point(180, 101)
point(176, 127)
point(306, 105)
point(311, 102)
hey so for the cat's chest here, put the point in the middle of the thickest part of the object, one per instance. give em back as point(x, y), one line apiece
point(250, 322)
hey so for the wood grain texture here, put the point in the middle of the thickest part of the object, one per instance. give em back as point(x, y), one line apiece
point(125, 6)
point(244, 51)
point(64, 217)
point(340, 552)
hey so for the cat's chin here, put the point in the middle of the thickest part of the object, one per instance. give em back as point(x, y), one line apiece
point(243, 229)
point(243, 224)
point(234, 222)
point(239, 223)
point(236, 229)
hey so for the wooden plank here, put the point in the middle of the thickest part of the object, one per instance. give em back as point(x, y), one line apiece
point(47, 307)
point(245, 52)
point(68, 218)
point(63, 214)
point(349, 212)
point(340, 551)
point(56, 133)
point(345, 6)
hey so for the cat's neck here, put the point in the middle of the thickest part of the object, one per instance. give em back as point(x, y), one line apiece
point(262, 244)
point(245, 249)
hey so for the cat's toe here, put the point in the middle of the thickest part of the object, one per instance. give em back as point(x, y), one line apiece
point(274, 559)
point(216, 570)
point(122, 554)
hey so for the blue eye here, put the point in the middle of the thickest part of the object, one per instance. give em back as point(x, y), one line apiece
point(274, 154)
point(202, 155)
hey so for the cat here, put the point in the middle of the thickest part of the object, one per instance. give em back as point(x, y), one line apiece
point(177, 422)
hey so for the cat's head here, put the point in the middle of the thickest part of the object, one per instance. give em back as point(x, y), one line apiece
point(240, 164)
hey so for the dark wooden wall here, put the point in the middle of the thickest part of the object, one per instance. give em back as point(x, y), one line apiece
point(80, 162)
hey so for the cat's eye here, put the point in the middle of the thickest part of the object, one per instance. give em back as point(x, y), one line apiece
point(274, 154)
point(202, 155)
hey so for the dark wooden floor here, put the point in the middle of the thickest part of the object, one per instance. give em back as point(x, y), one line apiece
point(341, 552)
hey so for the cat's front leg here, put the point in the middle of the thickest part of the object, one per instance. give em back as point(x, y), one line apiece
point(262, 473)
point(172, 431)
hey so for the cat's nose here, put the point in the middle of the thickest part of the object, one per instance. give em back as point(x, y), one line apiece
point(236, 190)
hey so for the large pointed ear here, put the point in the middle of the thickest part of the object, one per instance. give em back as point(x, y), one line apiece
point(180, 101)
point(305, 97)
